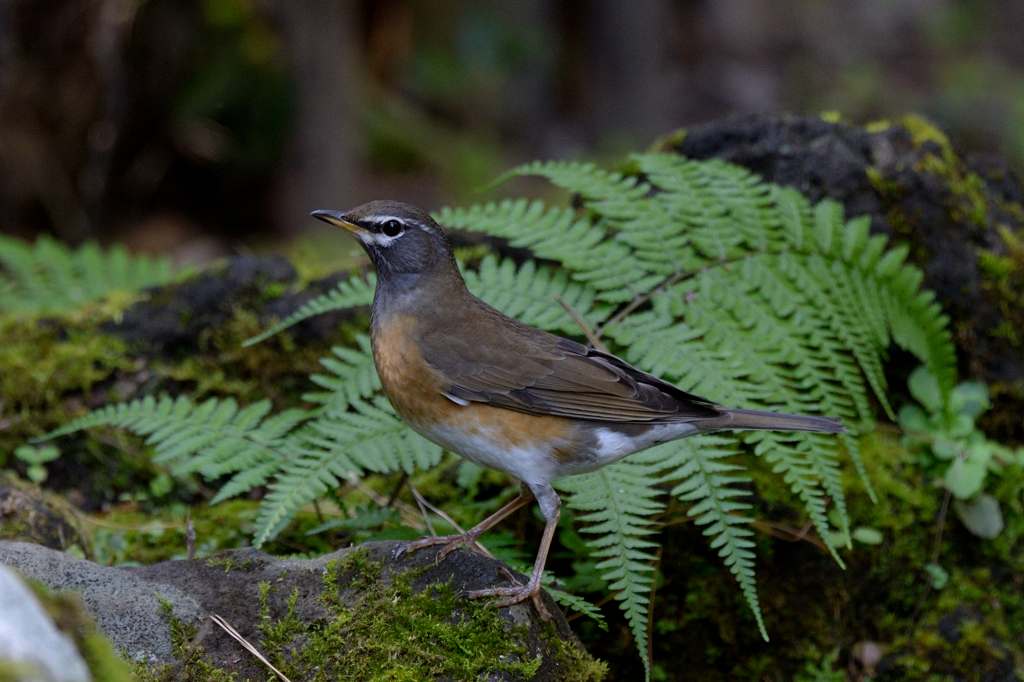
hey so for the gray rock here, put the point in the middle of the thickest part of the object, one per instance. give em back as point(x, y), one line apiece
point(29, 638)
point(124, 606)
point(123, 602)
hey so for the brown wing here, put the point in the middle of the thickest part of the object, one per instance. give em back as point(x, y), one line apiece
point(529, 370)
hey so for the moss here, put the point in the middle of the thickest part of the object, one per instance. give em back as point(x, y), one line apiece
point(378, 627)
point(191, 665)
point(967, 187)
point(668, 143)
point(923, 131)
point(30, 514)
point(16, 672)
point(575, 663)
point(1004, 280)
point(884, 186)
point(964, 635)
point(228, 563)
point(275, 369)
point(966, 201)
point(879, 126)
point(41, 362)
point(392, 632)
point(42, 365)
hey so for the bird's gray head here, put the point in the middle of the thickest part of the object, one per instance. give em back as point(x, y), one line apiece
point(402, 241)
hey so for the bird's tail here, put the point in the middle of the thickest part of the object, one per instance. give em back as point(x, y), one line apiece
point(758, 420)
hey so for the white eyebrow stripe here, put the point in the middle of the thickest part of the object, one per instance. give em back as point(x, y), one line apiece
point(380, 220)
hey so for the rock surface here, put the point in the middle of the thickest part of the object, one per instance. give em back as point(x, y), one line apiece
point(130, 604)
point(29, 639)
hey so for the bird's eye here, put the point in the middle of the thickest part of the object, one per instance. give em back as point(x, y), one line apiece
point(392, 228)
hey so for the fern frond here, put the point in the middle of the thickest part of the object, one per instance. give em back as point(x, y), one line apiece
point(697, 272)
point(578, 604)
point(213, 438)
point(49, 277)
point(552, 233)
point(557, 234)
point(531, 292)
point(916, 321)
point(617, 503)
point(610, 193)
point(307, 475)
point(353, 377)
point(349, 293)
point(726, 210)
point(336, 447)
point(709, 483)
point(374, 438)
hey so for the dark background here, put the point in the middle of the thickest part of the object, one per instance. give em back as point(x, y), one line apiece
point(204, 127)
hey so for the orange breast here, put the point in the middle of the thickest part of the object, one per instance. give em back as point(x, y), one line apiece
point(416, 391)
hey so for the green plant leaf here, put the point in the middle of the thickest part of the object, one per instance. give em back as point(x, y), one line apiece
point(981, 515)
point(925, 389)
point(912, 418)
point(937, 575)
point(48, 277)
point(867, 536)
point(965, 479)
point(969, 398)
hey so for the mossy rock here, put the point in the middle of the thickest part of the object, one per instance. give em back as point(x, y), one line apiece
point(961, 215)
point(360, 613)
point(185, 337)
point(29, 514)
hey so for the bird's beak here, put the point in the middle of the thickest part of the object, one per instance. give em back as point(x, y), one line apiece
point(337, 218)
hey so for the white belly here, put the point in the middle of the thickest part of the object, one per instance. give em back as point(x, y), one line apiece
point(531, 464)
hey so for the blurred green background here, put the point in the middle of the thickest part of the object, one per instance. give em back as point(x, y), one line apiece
point(202, 128)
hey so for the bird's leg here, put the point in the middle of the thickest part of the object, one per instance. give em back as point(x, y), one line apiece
point(469, 538)
point(551, 507)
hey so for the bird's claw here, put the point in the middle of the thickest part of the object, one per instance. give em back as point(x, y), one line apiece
point(513, 595)
point(450, 542)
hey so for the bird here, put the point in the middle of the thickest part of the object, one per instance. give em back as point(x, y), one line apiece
point(508, 396)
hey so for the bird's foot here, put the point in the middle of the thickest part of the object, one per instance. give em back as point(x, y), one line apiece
point(450, 542)
point(513, 595)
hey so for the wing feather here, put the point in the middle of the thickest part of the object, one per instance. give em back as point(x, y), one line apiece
point(529, 370)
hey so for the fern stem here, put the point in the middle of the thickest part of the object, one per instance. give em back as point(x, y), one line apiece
point(662, 286)
point(594, 339)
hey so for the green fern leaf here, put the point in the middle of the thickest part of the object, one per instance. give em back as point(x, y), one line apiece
point(308, 474)
point(531, 294)
point(617, 503)
point(48, 277)
point(709, 483)
point(374, 437)
point(336, 447)
point(353, 377)
point(698, 272)
point(212, 439)
point(552, 233)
